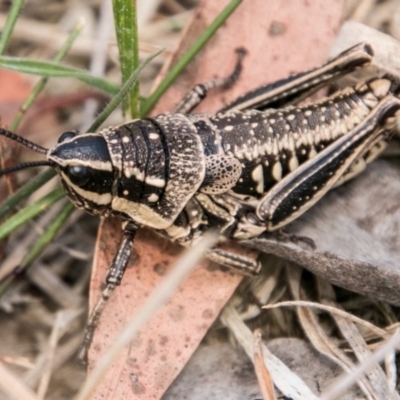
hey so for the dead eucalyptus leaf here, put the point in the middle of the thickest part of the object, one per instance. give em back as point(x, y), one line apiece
point(280, 40)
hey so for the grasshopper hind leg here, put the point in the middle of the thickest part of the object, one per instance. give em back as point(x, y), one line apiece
point(306, 185)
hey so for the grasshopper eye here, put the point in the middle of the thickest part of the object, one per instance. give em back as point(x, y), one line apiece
point(78, 175)
point(66, 136)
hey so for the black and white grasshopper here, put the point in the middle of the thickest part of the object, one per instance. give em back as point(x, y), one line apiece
point(255, 166)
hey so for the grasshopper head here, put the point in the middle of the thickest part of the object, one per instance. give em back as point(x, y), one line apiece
point(85, 169)
point(83, 164)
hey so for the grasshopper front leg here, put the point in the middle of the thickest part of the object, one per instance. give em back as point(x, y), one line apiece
point(113, 279)
point(243, 264)
point(200, 91)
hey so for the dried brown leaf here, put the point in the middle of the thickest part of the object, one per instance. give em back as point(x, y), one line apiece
point(149, 365)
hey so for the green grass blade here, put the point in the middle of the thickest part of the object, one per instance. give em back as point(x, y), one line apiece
point(33, 210)
point(189, 55)
point(127, 38)
point(41, 84)
point(39, 180)
point(53, 69)
point(30, 212)
point(24, 191)
point(12, 17)
point(125, 89)
point(41, 243)
point(48, 235)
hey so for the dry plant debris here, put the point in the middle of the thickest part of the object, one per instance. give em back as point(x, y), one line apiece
point(43, 315)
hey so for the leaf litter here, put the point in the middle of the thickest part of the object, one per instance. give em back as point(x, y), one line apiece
point(354, 229)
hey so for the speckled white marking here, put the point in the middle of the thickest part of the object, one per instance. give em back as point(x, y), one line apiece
point(153, 197)
point(258, 177)
point(277, 171)
point(154, 136)
point(293, 163)
point(155, 181)
point(139, 175)
point(312, 153)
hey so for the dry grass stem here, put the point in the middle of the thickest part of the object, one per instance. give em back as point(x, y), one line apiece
point(340, 385)
point(13, 386)
point(263, 375)
point(290, 384)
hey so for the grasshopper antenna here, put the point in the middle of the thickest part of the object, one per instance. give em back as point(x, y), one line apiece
point(30, 145)
point(26, 165)
point(25, 142)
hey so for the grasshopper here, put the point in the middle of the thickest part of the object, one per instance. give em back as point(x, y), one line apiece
point(253, 167)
